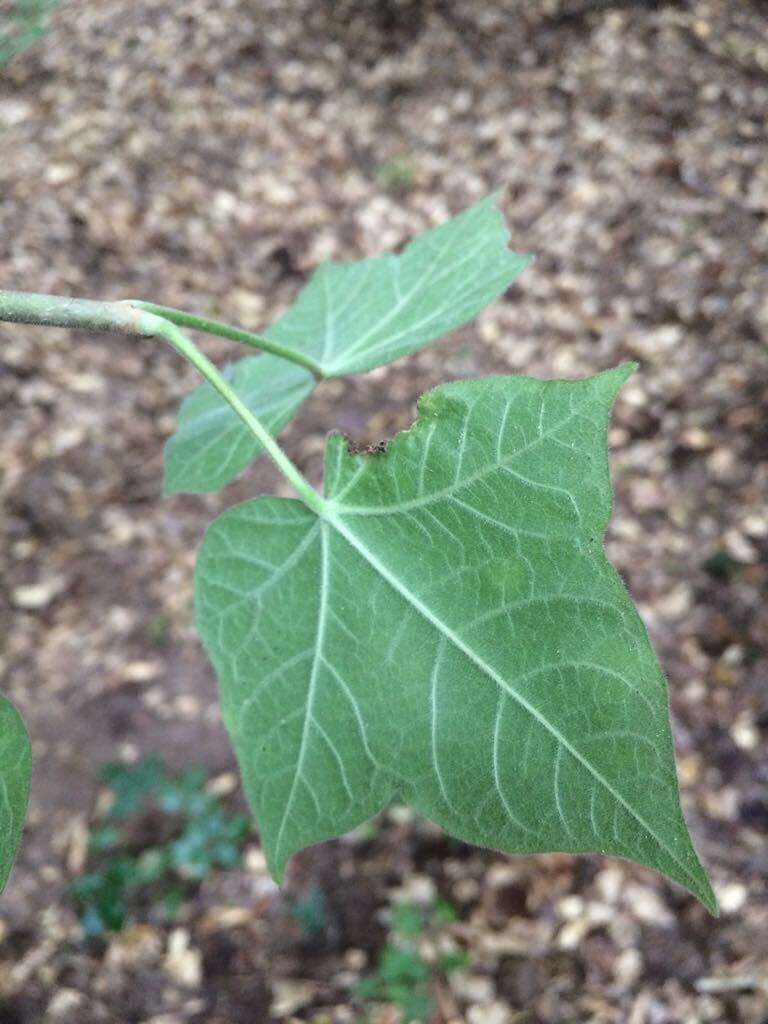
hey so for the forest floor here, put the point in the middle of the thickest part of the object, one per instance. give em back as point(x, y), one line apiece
point(208, 156)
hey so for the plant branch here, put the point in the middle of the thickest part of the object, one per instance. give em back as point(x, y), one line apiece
point(198, 323)
point(62, 311)
point(162, 328)
point(127, 318)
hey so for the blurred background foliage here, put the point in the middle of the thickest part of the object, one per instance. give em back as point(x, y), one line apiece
point(22, 23)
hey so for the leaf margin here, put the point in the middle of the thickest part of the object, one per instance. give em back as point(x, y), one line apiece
point(14, 784)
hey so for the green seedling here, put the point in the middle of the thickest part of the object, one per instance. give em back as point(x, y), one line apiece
point(396, 177)
point(403, 976)
point(310, 912)
point(22, 23)
point(183, 833)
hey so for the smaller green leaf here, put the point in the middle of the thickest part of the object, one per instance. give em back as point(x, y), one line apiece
point(151, 865)
point(101, 896)
point(349, 318)
point(444, 913)
point(102, 839)
point(458, 960)
point(15, 772)
point(211, 444)
point(352, 317)
point(131, 785)
point(311, 912)
point(407, 919)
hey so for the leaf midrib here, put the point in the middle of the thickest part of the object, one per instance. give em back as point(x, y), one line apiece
point(400, 304)
point(322, 614)
point(443, 629)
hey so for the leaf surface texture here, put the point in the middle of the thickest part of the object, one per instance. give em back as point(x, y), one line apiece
point(449, 633)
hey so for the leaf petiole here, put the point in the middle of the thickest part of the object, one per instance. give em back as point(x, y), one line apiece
point(258, 341)
point(130, 318)
point(158, 326)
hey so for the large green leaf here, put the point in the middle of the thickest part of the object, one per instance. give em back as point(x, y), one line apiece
point(15, 770)
point(449, 632)
point(351, 317)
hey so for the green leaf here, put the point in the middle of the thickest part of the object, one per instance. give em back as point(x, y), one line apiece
point(350, 317)
point(449, 632)
point(23, 25)
point(444, 913)
point(407, 919)
point(15, 772)
point(132, 785)
point(212, 444)
point(457, 960)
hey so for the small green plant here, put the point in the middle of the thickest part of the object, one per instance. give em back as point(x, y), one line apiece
point(159, 836)
point(22, 23)
point(404, 976)
point(310, 912)
point(396, 177)
point(440, 625)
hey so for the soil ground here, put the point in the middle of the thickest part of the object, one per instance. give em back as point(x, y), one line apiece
point(208, 155)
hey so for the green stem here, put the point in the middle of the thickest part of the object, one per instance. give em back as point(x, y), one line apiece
point(198, 323)
point(62, 311)
point(125, 318)
point(160, 327)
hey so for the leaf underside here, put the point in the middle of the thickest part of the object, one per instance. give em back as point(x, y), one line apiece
point(15, 771)
point(349, 318)
point(449, 633)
